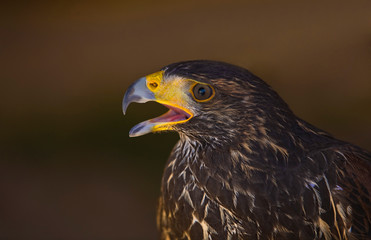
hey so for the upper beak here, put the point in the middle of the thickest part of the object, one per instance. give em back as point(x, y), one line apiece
point(137, 92)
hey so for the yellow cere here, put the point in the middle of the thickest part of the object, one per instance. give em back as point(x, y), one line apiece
point(154, 80)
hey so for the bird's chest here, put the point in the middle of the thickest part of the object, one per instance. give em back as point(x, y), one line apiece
point(214, 198)
point(187, 209)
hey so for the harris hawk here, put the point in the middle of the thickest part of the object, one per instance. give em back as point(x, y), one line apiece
point(245, 166)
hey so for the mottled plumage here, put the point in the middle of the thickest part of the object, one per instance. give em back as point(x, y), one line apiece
point(246, 167)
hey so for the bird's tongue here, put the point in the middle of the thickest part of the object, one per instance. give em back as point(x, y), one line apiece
point(173, 115)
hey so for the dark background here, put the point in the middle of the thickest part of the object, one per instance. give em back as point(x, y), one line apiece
point(67, 167)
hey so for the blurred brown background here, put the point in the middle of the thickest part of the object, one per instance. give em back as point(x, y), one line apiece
point(67, 167)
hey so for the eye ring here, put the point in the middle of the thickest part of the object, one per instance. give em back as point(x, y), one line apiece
point(202, 92)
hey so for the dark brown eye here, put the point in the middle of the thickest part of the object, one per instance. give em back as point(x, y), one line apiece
point(202, 92)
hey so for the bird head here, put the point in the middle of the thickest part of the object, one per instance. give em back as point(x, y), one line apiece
point(207, 100)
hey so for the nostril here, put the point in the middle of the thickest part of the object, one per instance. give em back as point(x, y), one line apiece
point(153, 85)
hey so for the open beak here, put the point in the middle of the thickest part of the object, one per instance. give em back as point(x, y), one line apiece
point(139, 92)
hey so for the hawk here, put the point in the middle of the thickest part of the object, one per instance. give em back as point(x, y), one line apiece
point(245, 166)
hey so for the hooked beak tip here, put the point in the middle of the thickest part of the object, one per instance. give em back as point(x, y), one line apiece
point(137, 92)
point(124, 105)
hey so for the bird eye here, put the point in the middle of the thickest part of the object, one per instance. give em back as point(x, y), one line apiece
point(202, 92)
